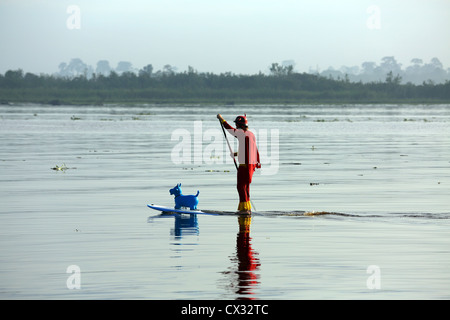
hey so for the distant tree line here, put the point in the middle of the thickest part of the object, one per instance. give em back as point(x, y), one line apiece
point(75, 85)
point(416, 73)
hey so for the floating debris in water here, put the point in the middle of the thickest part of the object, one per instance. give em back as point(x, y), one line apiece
point(61, 168)
point(313, 183)
point(58, 168)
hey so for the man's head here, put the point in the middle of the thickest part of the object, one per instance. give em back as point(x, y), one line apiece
point(241, 122)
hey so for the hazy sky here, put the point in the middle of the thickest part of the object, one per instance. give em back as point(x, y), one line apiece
point(241, 36)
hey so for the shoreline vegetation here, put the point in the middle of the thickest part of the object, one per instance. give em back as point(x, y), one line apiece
point(281, 86)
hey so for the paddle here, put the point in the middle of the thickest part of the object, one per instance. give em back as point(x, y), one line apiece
point(231, 154)
point(228, 142)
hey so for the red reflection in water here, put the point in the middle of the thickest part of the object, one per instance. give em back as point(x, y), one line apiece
point(248, 261)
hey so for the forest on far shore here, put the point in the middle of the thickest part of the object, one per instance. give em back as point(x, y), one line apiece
point(282, 85)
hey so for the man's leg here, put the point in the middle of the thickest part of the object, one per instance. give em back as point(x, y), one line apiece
point(243, 187)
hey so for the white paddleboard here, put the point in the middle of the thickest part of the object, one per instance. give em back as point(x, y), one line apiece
point(187, 211)
point(171, 209)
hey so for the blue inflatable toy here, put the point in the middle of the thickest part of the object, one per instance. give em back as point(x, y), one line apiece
point(189, 201)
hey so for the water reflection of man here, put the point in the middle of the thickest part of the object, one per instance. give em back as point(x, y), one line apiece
point(248, 261)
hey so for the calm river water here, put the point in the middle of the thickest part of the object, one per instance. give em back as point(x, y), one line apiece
point(381, 172)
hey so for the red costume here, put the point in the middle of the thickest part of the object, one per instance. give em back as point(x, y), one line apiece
point(248, 157)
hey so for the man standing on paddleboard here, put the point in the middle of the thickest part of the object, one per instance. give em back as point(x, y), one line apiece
point(248, 157)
